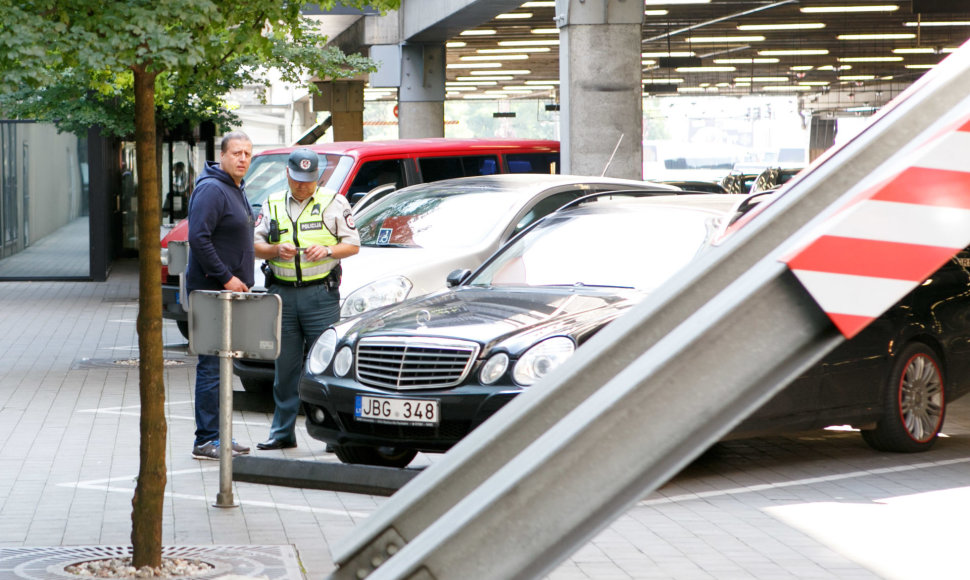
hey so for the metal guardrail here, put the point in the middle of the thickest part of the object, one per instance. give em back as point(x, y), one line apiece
point(647, 394)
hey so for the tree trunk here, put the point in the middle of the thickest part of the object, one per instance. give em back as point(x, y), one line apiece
point(148, 501)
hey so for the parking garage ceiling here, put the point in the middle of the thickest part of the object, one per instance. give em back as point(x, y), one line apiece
point(725, 47)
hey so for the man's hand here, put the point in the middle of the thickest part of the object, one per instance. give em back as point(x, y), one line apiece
point(286, 251)
point(315, 253)
point(236, 285)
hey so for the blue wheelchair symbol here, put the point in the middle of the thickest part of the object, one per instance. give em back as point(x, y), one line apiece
point(384, 236)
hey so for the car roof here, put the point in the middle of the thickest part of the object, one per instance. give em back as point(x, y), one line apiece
point(531, 182)
point(427, 145)
point(717, 203)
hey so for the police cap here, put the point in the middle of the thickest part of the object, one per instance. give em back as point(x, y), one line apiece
point(303, 165)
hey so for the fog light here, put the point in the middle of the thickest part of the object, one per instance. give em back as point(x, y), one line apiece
point(318, 415)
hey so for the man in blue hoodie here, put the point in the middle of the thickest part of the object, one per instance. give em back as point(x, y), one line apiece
point(220, 258)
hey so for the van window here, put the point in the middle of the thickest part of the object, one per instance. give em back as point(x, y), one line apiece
point(532, 162)
point(374, 173)
point(438, 168)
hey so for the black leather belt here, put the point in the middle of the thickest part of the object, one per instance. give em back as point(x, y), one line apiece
point(326, 280)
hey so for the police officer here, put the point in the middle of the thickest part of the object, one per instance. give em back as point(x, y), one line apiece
point(303, 234)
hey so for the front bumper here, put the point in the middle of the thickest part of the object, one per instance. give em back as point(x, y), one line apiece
point(329, 402)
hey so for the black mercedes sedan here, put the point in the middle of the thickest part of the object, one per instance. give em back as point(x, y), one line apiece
point(420, 375)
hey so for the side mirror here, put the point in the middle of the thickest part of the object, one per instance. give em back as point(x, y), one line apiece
point(456, 277)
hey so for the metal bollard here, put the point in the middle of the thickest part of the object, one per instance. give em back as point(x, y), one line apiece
point(224, 497)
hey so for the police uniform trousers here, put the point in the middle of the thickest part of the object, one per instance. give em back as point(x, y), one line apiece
point(306, 312)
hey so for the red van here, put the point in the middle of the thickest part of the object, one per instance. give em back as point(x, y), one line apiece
point(355, 168)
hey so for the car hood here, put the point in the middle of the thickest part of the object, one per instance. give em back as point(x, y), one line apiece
point(511, 318)
point(425, 268)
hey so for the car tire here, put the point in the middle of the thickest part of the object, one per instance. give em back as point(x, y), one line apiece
point(256, 385)
point(381, 456)
point(914, 403)
point(183, 328)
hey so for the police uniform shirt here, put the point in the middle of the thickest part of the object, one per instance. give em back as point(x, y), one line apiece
point(337, 217)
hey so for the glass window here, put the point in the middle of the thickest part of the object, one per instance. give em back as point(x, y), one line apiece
point(532, 162)
point(267, 174)
point(438, 168)
point(375, 173)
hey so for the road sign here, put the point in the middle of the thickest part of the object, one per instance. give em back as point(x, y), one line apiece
point(255, 324)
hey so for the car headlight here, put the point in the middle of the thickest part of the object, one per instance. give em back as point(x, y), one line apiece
point(322, 352)
point(341, 364)
point(376, 294)
point(541, 359)
point(493, 368)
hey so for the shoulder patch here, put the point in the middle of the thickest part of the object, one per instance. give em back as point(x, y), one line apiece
point(349, 218)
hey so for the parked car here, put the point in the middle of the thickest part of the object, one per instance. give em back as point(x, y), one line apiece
point(773, 178)
point(412, 237)
point(354, 168)
point(420, 375)
point(698, 185)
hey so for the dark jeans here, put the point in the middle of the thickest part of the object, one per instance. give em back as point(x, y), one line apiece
point(206, 399)
point(307, 312)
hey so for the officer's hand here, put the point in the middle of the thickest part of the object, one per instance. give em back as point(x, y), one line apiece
point(315, 253)
point(287, 251)
point(236, 285)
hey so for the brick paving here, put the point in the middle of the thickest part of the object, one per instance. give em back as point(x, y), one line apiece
point(815, 505)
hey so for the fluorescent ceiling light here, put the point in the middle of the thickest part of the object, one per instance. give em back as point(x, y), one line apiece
point(761, 80)
point(874, 8)
point(662, 81)
point(920, 66)
point(477, 32)
point(906, 36)
point(471, 81)
point(693, 69)
point(474, 65)
point(530, 88)
point(725, 39)
point(497, 57)
point(450, 87)
point(495, 78)
point(512, 50)
point(915, 50)
point(514, 16)
point(545, 31)
point(857, 78)
point(500, 72)
point(550, 42)
point(489, 97)
point(948, 50)
point(871, 59)
point(546, 4)
point(795, 26)
point(797, 52)
point(745, 60)
point(665, 54)
point(555, 82)
point(939, 23)
point(648, 62)
point(801, 67)
point(656, 12)
point(814, 83)
point(690, 90)
point(830, 67)
point(780, 88)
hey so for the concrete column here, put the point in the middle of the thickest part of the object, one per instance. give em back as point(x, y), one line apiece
point(600, 88)
point(821, 136)
point(421, 97)
point(344, 100)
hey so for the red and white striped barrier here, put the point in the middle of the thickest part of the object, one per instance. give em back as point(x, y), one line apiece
point(894, 235)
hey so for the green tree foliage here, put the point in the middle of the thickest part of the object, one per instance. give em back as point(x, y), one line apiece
point(130, 66)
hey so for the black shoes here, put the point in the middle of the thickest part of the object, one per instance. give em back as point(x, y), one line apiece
point(271, 444)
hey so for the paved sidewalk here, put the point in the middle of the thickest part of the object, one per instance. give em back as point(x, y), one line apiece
point(818, 505)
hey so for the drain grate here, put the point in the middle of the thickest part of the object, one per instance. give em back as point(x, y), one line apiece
point(48, 563)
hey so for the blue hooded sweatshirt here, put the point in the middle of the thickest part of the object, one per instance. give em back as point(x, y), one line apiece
point(220, 232)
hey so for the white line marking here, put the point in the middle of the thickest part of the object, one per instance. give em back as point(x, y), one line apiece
point(104, 485)
point(797, 482)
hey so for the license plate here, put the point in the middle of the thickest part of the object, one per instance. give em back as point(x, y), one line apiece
point(396, 411)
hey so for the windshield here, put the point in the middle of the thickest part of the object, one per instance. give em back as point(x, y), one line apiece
point(642, 249)
point(267, 174)
point(436, 218)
